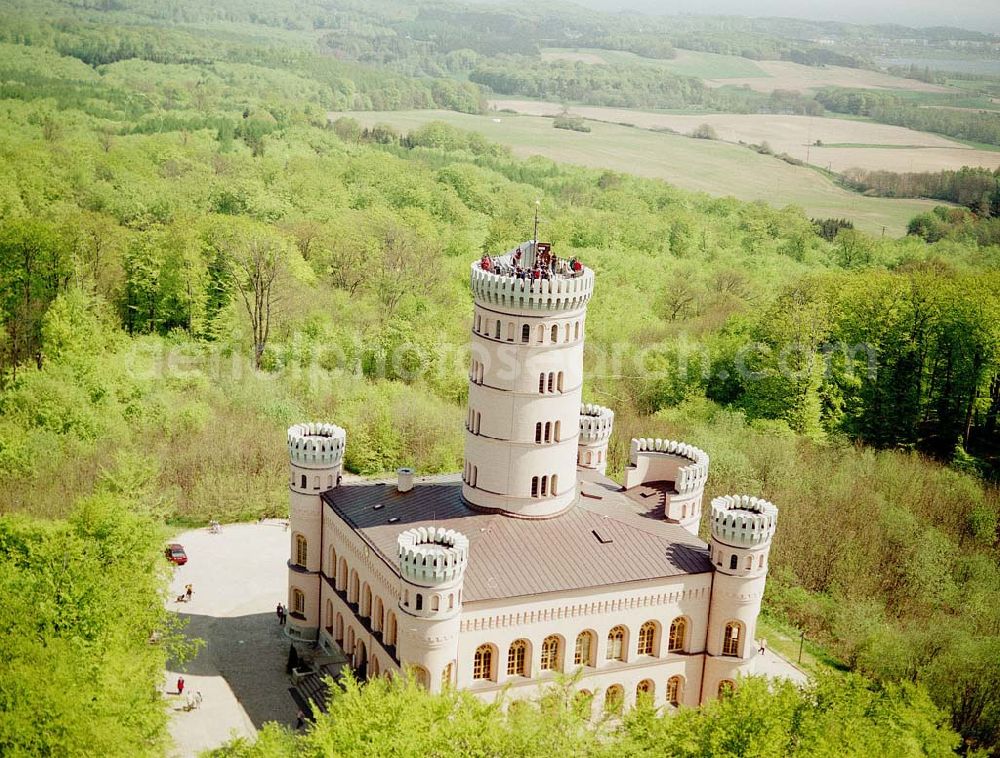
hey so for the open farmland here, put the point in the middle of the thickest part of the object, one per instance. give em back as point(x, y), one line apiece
point(762, 76)
point(716, 168)
point(846, 143)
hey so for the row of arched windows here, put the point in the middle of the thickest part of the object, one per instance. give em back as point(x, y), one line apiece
point(550, 383)
point(471, 474)
point(304, 481)
point(477, 372)
point(719, 557)
point(368, 604)
point(550, 431)
point(561, 332)
point(544, 486)
point(584, 649)
point(473, 419)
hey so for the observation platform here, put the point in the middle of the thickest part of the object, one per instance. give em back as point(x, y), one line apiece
point(521, 280)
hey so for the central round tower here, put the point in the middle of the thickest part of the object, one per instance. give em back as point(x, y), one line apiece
point(525, 382)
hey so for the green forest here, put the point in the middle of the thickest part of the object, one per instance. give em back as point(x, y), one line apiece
point(161, 170)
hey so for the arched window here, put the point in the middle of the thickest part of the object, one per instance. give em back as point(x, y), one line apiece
point(342, 575)
point(614, 699)
point(548, 431)
point(301, 550)
point(545, 486)
point(552, 381)
point(304, 480)
point(554, 488)
point(678, 633)
point(550, 654)
point(315, 482)
point(749, 563)
point(555, 333)
point(510, 331)
point(576, 331)
point(674, 685)
point(474, 480)
point(525, 333)
point(497, 332)
point(378, 616)
point(726, 688)
point(541, 383)
point(590, 457)
point(557, 436)
point(647, 637)
point(298, 602)
point(731, 641)
point(477, 322)
point(420, 676)
point(559, 383)
point(761, 562)
point(446, 674)
point(420, 602)
point(329, 616)
point(583, 654)
point(645, 691)
point(566, 335)
point(338, 629)
point(366, 601)
point(733, 561)
point(538, 432)
point(482, 664)
point(435, 602)
point(390, 628)
point(352, 596)
point(541, 334)
point(517, 658)
point(616, 644)
point(331, 566)
point(534, 486)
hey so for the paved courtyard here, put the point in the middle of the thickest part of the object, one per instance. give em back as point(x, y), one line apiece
point(238, 578)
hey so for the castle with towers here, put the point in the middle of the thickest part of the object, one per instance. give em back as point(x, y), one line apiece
point(531, 561)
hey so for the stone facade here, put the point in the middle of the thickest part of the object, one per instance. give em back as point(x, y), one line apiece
point(418, 572)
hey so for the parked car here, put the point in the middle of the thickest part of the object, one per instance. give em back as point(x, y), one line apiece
point(175, 554)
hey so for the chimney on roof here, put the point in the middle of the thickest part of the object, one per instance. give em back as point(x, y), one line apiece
point(404, 479)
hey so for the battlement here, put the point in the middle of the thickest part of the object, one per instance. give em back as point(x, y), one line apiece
point(500, 285)
point(743, 521)
point(596, 422)
point(316, 445)
point(689, 477)
point(432, 555)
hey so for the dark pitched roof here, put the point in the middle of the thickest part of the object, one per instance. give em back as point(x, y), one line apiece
point(607, 537)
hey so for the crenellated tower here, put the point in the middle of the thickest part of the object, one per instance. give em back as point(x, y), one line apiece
point(679, 470)
point(596, 423)
point(742, 528)
point(432, 564)
point(525, 383)
point(316, 453)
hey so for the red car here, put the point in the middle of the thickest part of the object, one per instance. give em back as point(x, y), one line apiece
point(175, 554)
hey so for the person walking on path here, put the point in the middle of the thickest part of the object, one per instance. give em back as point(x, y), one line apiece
point(300, 719)
point(763, 646)
point(278, 612)
point(180, 685)
point(188, 591)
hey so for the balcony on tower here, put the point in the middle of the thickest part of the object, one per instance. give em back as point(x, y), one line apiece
point(530, 280)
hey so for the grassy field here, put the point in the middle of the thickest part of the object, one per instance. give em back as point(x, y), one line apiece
point(687, 62)
point(763, 76)
point(846, 143)
point(716, 168)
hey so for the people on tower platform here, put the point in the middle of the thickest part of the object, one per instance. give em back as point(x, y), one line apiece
point(547, 266)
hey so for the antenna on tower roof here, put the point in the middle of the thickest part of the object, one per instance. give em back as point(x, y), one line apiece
point(534, 247)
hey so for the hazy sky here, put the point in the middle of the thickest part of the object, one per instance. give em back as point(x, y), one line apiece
point(979, 15)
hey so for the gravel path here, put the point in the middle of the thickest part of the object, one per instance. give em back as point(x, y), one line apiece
point(238, 578)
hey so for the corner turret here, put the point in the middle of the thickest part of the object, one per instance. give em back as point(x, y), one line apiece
point(315, 454)
point(681, 470)
point(596, 423)
point(742, 528)
point(432, 563)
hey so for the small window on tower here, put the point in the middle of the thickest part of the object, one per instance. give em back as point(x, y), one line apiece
point(525, 333)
